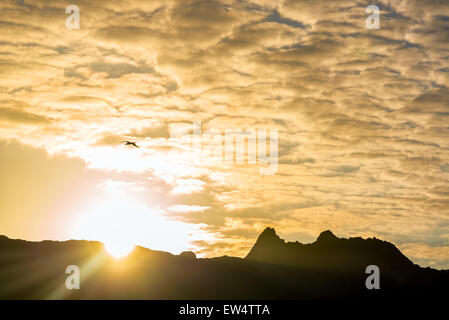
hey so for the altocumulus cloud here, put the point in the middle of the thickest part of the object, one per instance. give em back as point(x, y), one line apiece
point(362, 114)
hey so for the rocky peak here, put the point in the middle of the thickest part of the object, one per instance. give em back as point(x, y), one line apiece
point(326, 236)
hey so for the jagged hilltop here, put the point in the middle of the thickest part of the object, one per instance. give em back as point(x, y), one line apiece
point(329, 268)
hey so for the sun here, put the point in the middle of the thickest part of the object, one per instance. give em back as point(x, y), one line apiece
point(118, 249)
point(122, 222)
point(112, 222)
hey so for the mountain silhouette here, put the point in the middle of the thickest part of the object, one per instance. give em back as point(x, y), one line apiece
point(330, 253)
point(329, 268)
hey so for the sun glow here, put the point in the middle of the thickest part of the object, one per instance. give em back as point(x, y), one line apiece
point(118, 249)
point(121, 223)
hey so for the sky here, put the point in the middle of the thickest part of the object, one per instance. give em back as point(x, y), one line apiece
point(361, 117)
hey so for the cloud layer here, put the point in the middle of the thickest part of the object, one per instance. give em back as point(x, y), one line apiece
point(362, 114)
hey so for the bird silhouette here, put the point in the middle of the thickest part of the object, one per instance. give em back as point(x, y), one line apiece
point(130, 143)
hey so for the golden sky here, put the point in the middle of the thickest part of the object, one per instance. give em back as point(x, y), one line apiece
point(362, 118)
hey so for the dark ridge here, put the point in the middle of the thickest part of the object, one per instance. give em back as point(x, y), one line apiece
point(328, 252)
point(188, 255)
point(326, 236)
point(269, 236)
point(268, 241)
point(330, 268)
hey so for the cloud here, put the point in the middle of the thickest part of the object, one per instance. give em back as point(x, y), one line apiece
point(152, 132)
point(116, 70)
point(180, 208)
point(18, 116)
point(361, 114)
point(109, 141)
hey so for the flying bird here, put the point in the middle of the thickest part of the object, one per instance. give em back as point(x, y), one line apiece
point(130, 143)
